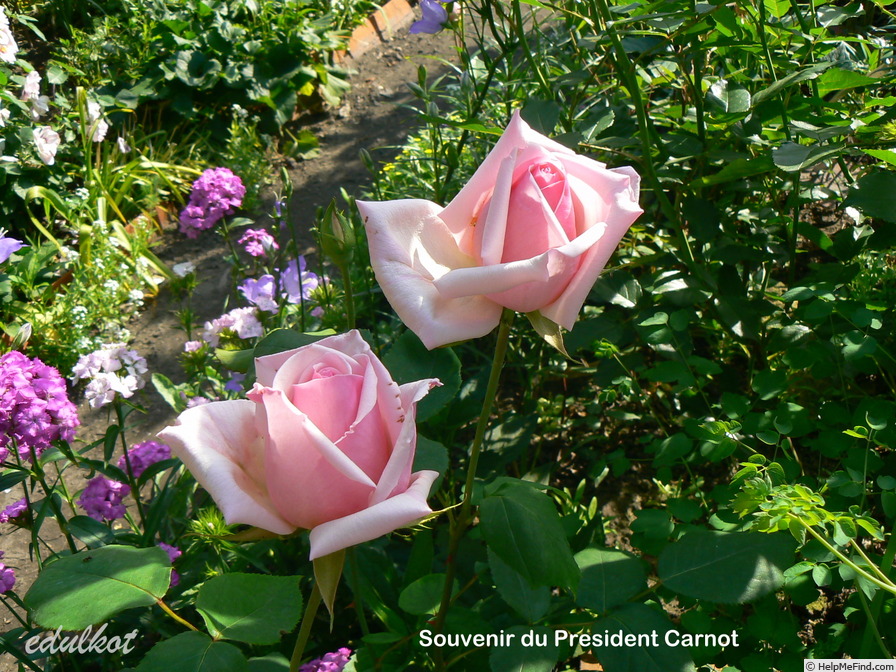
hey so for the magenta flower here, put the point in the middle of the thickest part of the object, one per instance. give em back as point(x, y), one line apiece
point(329, 662)
point(34, 407)
point(13, 510)
point(8, 577)
point(216, 193)
point(258, 242)
point(102, 498)
point(173, 554)
point(143, 455)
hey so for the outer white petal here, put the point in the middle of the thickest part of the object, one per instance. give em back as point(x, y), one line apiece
point(219, 444)
point(391, 514)
point(410, 247)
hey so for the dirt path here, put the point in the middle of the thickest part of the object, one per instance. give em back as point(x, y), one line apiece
point(371, 117)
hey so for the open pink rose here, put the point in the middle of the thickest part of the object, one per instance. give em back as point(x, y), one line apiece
point(325, 442)
point(531, 231)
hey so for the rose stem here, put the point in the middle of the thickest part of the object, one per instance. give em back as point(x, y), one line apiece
point(305, 630)
point(462, 522)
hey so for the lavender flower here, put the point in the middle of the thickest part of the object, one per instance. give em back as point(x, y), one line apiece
point(193, 346)
point(113, 369)
point(102, 498)
point(8, 246)
point(260, 292)
point(216, 193)
point(173, 554)
point(235, 384)
point(7, 577)
point(34, 407)
point(258, 242)
point(434, 18)
point(330, 662)
point(290, 283)
point(13, 510)
point(242, 321)
point(143, 455)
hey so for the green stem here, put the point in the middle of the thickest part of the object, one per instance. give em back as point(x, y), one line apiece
point(463, 520)
point(168, 610)
point(873, 566)
point(889, 587)
point(349, 296)
point(305, 630)
point(132, 482)
point(626, 70)
point(871, 621)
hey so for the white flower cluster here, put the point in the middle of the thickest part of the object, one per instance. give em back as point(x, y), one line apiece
point(8, 46)
point(242, 321)
point(113, 369)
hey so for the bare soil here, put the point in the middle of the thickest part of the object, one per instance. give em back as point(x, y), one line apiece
point(376, 115)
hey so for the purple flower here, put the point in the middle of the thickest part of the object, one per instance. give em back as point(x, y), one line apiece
point(102, 498)
point(260, 292)
point(235, 384)
point(7, 577)
point(8, 246)
point(329, 662)
point(216, 193)
point(34, 407)
point(173, 554)
point(295, 280)
point(258, 242)
point(142, 455)
point(13, 510)
point(435, 16)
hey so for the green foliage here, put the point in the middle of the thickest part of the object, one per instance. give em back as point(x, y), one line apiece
point(204, 57)
point(89, 587)
point(249, 607)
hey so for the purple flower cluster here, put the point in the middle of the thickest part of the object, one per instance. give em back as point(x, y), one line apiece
point(258, 242)
point(142, 455)
point(173, 554)
point(34, 406)
point(14, 510)
point(102, 498)
point(330, 662)
point(8, 577)
point(216, 193)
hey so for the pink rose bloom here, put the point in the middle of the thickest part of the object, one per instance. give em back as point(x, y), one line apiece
point(531, 231)
point(325, 442)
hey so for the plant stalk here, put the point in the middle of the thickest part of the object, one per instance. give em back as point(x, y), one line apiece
point(463, 520)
